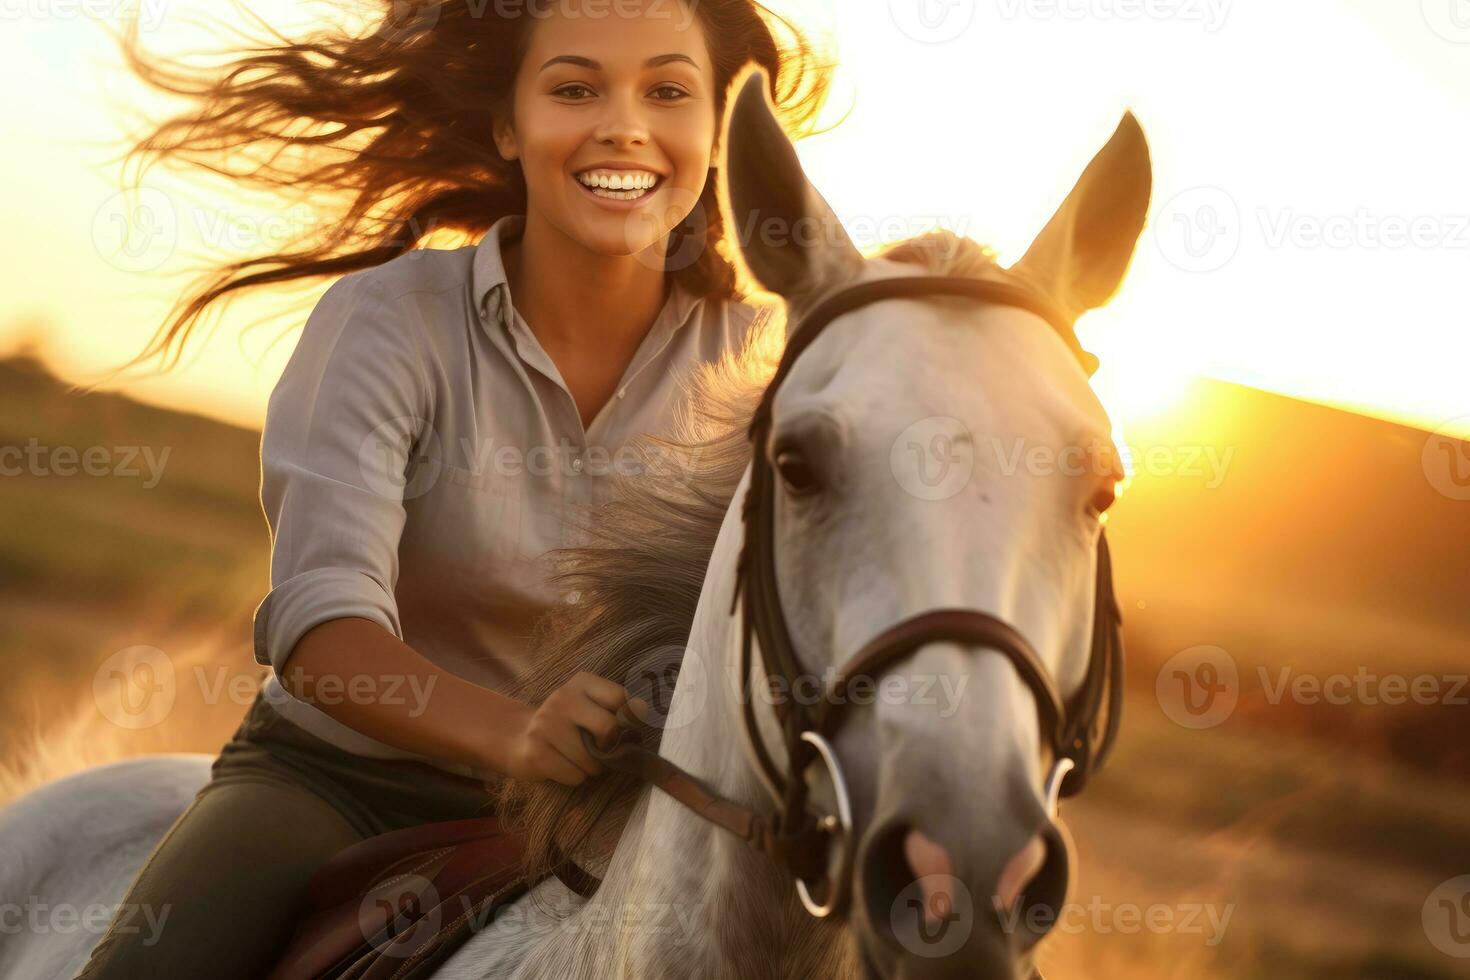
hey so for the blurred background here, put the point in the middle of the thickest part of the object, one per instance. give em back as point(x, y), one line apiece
point(1286, 368)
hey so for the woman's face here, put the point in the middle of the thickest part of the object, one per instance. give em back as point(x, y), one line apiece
point(613, 120)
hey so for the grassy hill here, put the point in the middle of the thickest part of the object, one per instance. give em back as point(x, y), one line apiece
point(1324, 550)
point(1320, 830)
point(155, 538)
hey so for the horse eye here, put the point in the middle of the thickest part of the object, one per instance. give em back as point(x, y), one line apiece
point(796, 473)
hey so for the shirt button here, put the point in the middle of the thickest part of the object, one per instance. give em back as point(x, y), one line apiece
point(574, 597)
point(577, 464)
point(622, 392)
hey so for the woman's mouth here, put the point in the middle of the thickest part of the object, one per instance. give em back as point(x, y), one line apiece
point(619, 185)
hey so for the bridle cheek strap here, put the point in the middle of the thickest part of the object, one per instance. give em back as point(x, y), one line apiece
point(1079, 732)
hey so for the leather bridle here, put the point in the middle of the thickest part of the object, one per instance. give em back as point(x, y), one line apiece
point(1078, 731)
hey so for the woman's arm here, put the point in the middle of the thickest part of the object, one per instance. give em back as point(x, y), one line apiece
point(343, 665)
point(352, 404)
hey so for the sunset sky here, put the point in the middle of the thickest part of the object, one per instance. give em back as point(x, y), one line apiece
point(1310, 231)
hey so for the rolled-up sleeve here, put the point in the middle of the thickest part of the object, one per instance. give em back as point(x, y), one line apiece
point(341, 426)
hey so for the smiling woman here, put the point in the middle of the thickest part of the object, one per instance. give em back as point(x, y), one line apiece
point(406, 124)
point(578, 141)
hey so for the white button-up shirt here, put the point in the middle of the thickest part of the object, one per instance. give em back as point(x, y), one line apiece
point(422, 452)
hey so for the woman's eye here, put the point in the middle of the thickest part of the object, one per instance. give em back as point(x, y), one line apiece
point(665, 93)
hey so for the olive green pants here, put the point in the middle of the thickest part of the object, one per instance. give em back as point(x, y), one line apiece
point(232, 871)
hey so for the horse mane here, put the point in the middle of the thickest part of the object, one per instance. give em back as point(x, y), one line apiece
point(641, 572)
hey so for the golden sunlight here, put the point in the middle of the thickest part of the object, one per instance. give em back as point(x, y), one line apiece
point(1286, 249)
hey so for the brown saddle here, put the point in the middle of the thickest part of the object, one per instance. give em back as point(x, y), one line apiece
point(393, 907)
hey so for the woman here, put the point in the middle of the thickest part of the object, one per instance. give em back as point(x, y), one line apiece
point(446, 412)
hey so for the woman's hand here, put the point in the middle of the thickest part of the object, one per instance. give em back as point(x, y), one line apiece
point(550, 745)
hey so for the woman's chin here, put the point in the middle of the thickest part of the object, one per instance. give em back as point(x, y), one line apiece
point(619, 239)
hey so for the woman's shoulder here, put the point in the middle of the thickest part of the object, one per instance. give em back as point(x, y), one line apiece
point(407, 297)
point(421, 271)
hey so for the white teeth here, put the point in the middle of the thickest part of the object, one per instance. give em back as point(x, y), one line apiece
point(619, 181)
point(619, 195)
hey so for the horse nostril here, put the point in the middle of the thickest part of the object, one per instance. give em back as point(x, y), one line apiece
point(1023, 866)
point(912, 890)
point(934, 871)
point(886, 872)
point(1042, 893)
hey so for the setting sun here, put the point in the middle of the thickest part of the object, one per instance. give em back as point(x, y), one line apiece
point(1285, 250)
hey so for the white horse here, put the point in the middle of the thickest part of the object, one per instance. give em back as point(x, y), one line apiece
point(945, 774)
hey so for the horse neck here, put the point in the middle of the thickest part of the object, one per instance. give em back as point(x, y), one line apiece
point(713, 907)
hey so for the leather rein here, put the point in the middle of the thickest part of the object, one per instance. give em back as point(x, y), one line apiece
point(1079, 731)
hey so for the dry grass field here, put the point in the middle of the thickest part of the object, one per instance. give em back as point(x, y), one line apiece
point(1288, 839)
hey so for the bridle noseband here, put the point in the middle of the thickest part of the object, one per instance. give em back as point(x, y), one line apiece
point(1078, 731)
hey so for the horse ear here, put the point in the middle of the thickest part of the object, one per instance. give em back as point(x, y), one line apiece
point(1082, 253)
point(790, 239)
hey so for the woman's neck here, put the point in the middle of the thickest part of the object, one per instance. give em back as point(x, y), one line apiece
point(570, 296)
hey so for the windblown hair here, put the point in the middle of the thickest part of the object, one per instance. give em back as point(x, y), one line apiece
point(641, 575)
point(388, 135)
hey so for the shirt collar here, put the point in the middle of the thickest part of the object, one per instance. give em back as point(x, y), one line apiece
point(491, 288)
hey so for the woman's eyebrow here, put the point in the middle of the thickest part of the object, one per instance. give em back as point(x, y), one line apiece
point(581, 62)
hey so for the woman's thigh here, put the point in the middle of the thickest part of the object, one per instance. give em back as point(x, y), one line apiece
point(220, 895)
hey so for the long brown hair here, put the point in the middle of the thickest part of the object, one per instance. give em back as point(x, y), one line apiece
point(397, 123)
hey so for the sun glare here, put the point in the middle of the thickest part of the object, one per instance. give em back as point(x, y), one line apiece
point(1285, 248)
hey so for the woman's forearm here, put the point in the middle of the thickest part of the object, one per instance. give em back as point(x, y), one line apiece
point(365, 677)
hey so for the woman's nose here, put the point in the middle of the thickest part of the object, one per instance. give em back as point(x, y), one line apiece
point(622, 124)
